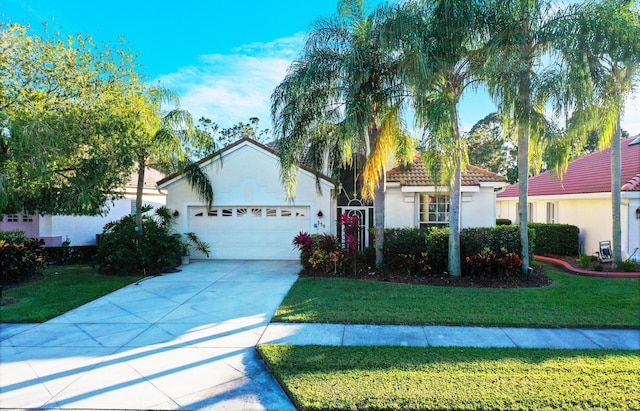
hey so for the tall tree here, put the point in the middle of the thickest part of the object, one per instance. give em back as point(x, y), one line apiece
point(162, 136)
point(521, 69)
point(438, 41)
point(341, 96)
point(492, 148)
point(611, 47)
point(64, 148)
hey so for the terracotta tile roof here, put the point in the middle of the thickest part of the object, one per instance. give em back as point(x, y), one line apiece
point(588, 174)
point(416, 175)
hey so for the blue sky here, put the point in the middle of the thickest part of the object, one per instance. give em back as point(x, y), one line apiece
point(222, 57)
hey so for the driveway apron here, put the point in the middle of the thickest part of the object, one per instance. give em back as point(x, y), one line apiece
point(183, 340)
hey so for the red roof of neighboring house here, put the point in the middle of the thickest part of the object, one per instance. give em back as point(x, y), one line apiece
point(415, 174)
point(588, 174)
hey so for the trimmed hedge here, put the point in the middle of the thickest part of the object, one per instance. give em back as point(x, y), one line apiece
point(425, 250)
point(82, 254)
point(416, 250)
point(474, 240)
point(559, 239)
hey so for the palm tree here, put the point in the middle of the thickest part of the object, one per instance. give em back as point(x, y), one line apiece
point(438, 40)
point(161, 137)
point(342, 97)
point(605, 58)
point(612, 50)
point(521, 71)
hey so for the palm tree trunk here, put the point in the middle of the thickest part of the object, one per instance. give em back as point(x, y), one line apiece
point(139, 191)
point(378, 220)
point(378, 200)
point(454, 224)
point(453, 264)
point(616, 165)
point(523, 184)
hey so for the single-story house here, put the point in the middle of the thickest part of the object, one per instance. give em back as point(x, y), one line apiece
point(583, 198)
point(82, 230)
point(252, 217)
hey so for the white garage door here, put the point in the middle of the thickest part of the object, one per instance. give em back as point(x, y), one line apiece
point(256, 232)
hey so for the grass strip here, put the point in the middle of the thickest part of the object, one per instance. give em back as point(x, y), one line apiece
point(572, 301)
point(444, 378)
point(61, 289)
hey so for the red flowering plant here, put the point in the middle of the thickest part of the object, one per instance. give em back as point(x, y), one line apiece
point(350, 224)
point(303, 242)
point(487, 262)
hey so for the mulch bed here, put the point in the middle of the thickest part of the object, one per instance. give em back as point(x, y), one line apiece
point(575, 262)
point(537, 278)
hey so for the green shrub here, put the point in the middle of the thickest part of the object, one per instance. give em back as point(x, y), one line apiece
point(124, 250)
point(416, 250)
point(474, 240)
point(19, 260)
point(503, 221)
point(559, 239)
point(585, 260)
point(14, 236)
point(79, 254)
point(628, 266)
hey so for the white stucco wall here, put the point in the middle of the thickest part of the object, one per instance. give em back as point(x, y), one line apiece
point(82, 230)
point(477, 208)
point(591, 214)
point(400, 208)
point(249, 175)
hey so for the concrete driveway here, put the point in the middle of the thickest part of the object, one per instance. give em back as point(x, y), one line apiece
point(183, 340)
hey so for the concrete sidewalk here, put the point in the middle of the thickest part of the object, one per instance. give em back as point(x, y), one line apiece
point(179, 341)
point(423, 336)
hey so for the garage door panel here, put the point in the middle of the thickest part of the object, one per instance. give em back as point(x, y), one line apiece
point(253, 232)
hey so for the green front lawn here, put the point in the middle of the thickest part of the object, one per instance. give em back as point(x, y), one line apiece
point(62, 288)
point(572, 301)
point(442, 378)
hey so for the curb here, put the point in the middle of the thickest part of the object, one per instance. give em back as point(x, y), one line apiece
point(587, 273)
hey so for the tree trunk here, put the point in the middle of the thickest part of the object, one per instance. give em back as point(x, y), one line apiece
point(453, 264)
point(139, 191)
point(616, 166)
point(454, 224)
point(523, 185)
point(378, 219)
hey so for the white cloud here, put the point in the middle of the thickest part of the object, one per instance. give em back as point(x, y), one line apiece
point(229, 88)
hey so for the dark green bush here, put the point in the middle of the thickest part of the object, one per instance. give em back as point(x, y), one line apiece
point(416, 250)
point(125, 251)
point(19, 260)
point(559, 239)
point(503, 221)
point(474, 240)
point(79, 254)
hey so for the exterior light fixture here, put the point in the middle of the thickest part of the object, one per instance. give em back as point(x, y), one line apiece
point(638, 213)
point(320, 214)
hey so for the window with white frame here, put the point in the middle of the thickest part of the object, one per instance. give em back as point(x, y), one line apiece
point(552, 213)
point(434, 210)
point(12, 218)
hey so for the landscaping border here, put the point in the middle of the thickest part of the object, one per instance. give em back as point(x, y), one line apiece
point(588, 273)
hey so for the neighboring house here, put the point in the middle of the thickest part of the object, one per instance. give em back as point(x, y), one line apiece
point(583, 198)
point(82, 230)
point(252, 218)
